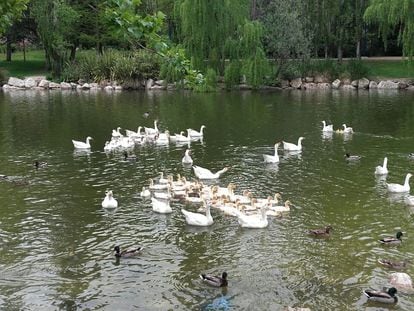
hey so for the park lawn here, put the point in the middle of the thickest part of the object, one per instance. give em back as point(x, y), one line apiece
point(392, 69)
point(34, 65)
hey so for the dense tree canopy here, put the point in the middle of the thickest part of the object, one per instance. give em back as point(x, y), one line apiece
point(10, 11)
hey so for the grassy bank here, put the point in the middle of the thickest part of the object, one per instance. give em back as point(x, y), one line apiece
point(389, 69)
point(33, 66)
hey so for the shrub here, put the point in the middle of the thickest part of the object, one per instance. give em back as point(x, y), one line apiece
point(357, 69)
point(209, 83)
point(232, 74)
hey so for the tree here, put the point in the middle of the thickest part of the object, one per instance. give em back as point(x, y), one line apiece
point(389, 14)
point(10, 10)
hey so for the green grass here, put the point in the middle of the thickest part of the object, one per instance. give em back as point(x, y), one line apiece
point(34, 65)
point(390, 69)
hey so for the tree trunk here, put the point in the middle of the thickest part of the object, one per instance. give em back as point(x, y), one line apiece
point(326, 51)
point(340, 54)
point(24, 50)
point(358, 49)
point(253, 13)
point(8, 50)
point(72, 53)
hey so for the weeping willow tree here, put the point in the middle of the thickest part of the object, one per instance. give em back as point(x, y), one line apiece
point(389, 14)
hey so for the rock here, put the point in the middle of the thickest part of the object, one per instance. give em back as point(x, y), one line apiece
point(348, 87)
point(118, 88)
point(158, 87)
point(73, 85)
point(297, 309)
point(29, 83)
point(108, 88)
point(321, 79)
point(363, 83)
point(53, 85)
point(387, 85)
point(94, 86)
point(78, 87)
point(354, 83)
point(10, 87)
point(16, 82)
point(309, 79)
point(309, 86)
point(323, 86)
point(244, 87)
point(296, 83)
point(284, 84)
point(410, 88)
point(65, 86)
point(171, 86)
point(401, 280)
point(336, 84)
point(44, 83)
point(159, 82)
point(346, 81)
point(402, 85)
point(149, 84)
point(373, 85)
point(86, 86)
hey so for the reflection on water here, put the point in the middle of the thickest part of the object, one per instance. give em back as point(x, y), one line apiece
point(55, 239)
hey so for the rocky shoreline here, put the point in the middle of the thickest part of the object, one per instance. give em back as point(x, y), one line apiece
point(308, 83)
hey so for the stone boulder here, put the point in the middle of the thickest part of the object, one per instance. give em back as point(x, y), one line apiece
point(402, 85)
point(354, 83)
point(346, 81)
point(65, 86)
point(321, 79)
point(118, 88)
point(29, 83)
point(284, 84)
point(373, 85)
point(10, 87)
point(296, 83)
point(309, 79)
point(44, 83)
point(94, 86)
point(309, 86)
point(149, 84)
point(16, 82)
point(401, 281)
point(53, 85)
point(410, 88)
point(388, 84)
point(85, 86)
point(108, 88)
point(159, 82)
point(363, 83)
point(336, 84)
point(348, 87)
point(323, 86)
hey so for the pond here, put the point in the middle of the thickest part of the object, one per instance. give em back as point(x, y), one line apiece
point(56, 241)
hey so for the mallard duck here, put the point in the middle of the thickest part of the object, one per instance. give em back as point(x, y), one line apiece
point(392, 240)
point(398, 265)
point(81, 144)
point(384, 296)
point(324, 233)
point(39, 164)
point(215, 281)
point(293, 147)
point(203, 173)
point(400, 188)
point(327, 128)
point(127, 253)
point(382, 170)
point(349, 157)
point(109, 201)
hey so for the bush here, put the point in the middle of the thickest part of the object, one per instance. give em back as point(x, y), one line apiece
point(209, 83)
point(356, 69)
point(232, 74)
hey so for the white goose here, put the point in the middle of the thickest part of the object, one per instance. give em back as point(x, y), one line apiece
point(150, 130)
point(347, 129)
point(81, 144)
point(281, 208)
point(203, 173)
point(163, 138)
point(293, 147)
point(253, 221)
point(187, 158)
point(272, 158)
point(400, 188)
point(109, 201)
point(130, 133)
point(196, 219)
point(145, 193)
point(162, 207)
point(327, 128)
point(180, 138)
point(156, 187)
point(163, 195)
point(116, 133)
point(194, 133)
point(382, 170)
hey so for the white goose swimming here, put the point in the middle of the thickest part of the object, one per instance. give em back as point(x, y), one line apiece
point(347, 129)
point(400, 188)
point(382, 170)
point(180, 138)
point(272, 158)
point(163, 138)
point(109, 201)
point(161, 206)
point(327, 128)
point(133, 134)
point(281, 208)
point(81, 144)
point(203, 173)
point(194, 133)
point(116, 133)
point(150, 130)
point(145, 193)
point(293, 147)
point(196, 219)
point(253, 221)
point(187, 158)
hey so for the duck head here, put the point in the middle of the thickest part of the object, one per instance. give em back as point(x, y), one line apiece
point(224, 275)
point(117, 249)
point(399, 235)
point(328, 228)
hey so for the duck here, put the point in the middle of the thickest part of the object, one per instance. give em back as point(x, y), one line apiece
point(347, 129)
point(196, 219)
point(163, 180)
point(350, 157)
point(145, 193)
point(325, 232)
point(400, 188)
point(280, 208)
point(127, 253)
point(383, 296)
point(203, 173)
point(215, 281)
point(382, 170)
point(398, 265)
point(187, 158)
point(392, 240)
point(150, 130)
point(153, 186)
point(194, 133)
point(109, 201)
point(163, 195)
point(327, 128)
point(162, 207)
point(129, 157)
point(81, 144)
point(39, 164)
point(116, 133)
point(253, 221)
point(272, 158)
point(293, 147)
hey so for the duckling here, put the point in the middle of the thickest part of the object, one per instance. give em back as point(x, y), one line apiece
point(392, 240)
point(129, 157)
point(127, 253)
point(39, 164)
point(324, 233)
point(384, 296)
point(349, 157)
point(215, 281)
point(398, 265)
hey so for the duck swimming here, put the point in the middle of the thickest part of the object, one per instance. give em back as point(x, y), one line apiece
point(397, 265)
point(39, 164)
point(382, 170)
point(392, 240)
point(215, 281)
point(349, 157)
point(109, 201)
point(324, 233)
point(293, 147)
point(400, 188)
point(81, 144)
point(382, 296)
point(127, 253)
point(327, 128)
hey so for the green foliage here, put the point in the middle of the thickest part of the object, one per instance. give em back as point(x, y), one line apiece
point(4, 75)
point(356, 69)
point(210, 82)
point(327, 67)
point(232, 74)
point(290, 70)
point(10, 11)
point(256, 68)
point(175, 66)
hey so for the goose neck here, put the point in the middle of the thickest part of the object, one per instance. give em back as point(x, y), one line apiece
point(384, 165)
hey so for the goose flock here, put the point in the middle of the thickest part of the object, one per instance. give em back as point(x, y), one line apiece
point(249, 211)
